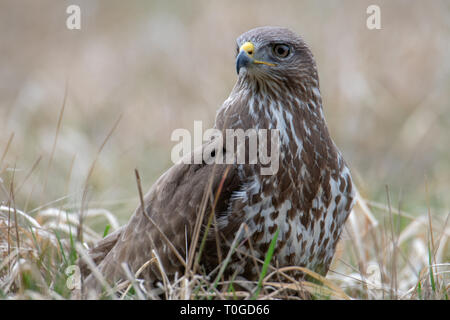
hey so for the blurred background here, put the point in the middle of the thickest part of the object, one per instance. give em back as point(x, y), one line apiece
point(160, 65)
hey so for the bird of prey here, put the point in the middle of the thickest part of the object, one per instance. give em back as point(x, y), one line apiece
point(305, 202)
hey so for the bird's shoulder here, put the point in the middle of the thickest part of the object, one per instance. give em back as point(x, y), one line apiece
point(178, 196)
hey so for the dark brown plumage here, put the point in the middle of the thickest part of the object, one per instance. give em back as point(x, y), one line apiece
point(308, 199)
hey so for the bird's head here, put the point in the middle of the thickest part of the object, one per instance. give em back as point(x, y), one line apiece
point(273, 53)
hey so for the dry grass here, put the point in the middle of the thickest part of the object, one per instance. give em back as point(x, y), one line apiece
point(395, 256)
point(63, 153)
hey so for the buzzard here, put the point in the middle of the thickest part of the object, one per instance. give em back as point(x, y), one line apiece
point(307, 199)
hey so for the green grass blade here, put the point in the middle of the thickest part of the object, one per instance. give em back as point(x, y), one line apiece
point(61, 248)
point(430, 263)
point(105, 233)
point(267, 260)
point(419, 290)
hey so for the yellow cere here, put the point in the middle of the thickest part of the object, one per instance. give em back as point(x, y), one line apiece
point(249, 48)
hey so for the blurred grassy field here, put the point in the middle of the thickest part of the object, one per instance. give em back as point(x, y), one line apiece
point(160, 65)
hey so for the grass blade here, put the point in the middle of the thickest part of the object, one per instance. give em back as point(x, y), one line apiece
point(267, 260)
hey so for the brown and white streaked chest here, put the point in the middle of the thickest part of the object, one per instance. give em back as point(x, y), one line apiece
point(311, 195)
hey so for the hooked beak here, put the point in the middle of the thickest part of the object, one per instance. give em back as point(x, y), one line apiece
point(242, 60)
point(245, 57)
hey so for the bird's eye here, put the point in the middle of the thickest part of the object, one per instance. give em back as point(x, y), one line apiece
point(281, 50)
